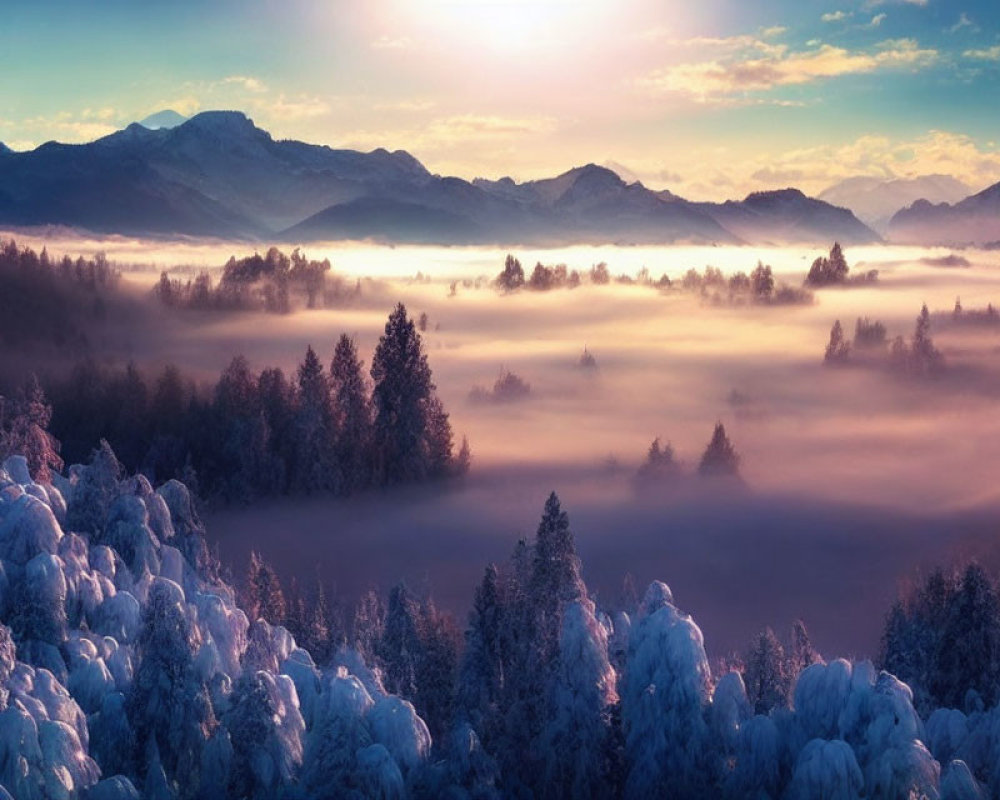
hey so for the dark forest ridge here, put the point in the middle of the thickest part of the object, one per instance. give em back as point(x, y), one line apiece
point(219, 175)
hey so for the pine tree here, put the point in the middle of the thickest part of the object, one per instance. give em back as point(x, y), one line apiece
point(720, 458)
point(439, 440)
point(481, 682)
point(577, 735)
point(264, 598)
point(659, 468)
point(765, 674)
point(401, 397)
point(762, 282)
point(555, 577)
point(925, 358)
point(352, 406)
point(29, 431)
point(167, 705)
point(968, 653)
point(368, 625)
point(95, 491)
point(436, 669)
point(400, 649)
point(314, 427)
point(838, 349)
point(801, 652)
point(512, 276)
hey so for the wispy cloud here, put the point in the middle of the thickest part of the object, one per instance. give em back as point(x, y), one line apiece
point(877, 21)
point(760, 67)
point(988, 54)
point(964, 21)
point(247, 82)
point(385, 42)
point(836, 16)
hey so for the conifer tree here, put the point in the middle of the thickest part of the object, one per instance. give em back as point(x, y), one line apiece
point(720, 458)
point(314, 427)
point(838, 349)
point(352, 406)
point(29, 431)
point(401, 398)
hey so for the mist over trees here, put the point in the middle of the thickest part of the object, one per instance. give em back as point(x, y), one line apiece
point(833, 270)
point(918, 358)
point(274, 282)
point(54, 302)
point(661, 471)
point(323, 430)
point(127, 660)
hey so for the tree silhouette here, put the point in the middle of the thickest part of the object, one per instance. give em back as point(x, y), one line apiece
point(720, 458)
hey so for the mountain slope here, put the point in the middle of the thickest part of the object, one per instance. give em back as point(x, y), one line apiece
point(975, 220)
point(788, 215)
point(875, 200)
point(217, 174)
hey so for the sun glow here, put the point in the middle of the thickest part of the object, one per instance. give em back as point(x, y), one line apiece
point(512, 24)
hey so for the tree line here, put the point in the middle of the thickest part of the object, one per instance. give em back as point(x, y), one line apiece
point(325, 429)
point(52, 301)
point(917, 358)
point(274, 283)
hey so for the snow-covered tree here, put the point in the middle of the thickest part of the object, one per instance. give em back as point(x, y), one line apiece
point(262, 594)
point(665, 691)
point(577, 739)
point(168, 707)
point(766, 673)
point(95, 490)
point(27, 432)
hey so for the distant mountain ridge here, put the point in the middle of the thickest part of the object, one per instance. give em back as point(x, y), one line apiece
point(972, 221)
point(167, 118)
point(217, 174)
point(876, 200)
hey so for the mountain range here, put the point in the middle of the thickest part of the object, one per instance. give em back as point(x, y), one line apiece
point(876, 200)
point(972, 221)
point(217, 174)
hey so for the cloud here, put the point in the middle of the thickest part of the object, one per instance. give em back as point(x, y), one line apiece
point(937, 152)
point(877, 20)
point(391, 43)
point(464, 127)
point(963, 22)
point(249, 83)
point(406, 105)
point(294, 107)
point(745, 71)
point(989, 54)
point(442, 135)
point(836, 16)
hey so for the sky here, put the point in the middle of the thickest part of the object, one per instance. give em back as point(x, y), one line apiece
point(710, 99)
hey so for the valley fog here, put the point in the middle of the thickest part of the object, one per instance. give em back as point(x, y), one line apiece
point(856, 477)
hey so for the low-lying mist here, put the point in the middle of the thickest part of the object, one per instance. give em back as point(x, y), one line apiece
point(856, 477)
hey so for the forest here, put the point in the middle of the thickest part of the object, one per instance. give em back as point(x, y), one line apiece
point(132, 667)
